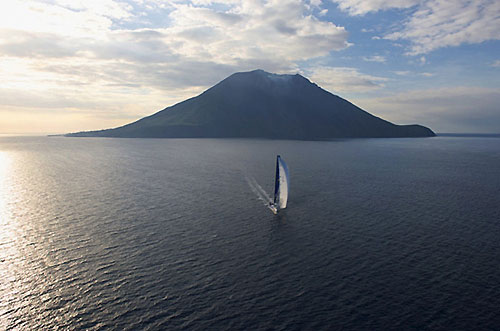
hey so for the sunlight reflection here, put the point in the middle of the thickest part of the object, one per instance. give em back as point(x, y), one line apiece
point(27, 258)
point(16, 263)
point(5, 163)
point(6, 238)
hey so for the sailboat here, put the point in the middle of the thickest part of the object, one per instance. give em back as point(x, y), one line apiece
point(281, 186)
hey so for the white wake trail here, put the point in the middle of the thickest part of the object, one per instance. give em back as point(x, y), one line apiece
point(259, 191)
point(262, 191)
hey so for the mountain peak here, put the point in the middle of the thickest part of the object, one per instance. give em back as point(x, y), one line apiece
point(268, 75)
point(266, 81)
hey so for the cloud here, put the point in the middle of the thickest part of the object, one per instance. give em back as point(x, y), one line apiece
point(18, 43)
point(496, 64)
point(375, 58)
point(276, 34)
point(435, 24)
point(323, 12)
point(452, 109)
point(441, 23)
point(67, 18)
point(342, 79)
point(362, 7)
point(316, 3)
point(284, 30)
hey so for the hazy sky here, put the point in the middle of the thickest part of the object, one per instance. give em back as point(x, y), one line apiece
point(71, 65)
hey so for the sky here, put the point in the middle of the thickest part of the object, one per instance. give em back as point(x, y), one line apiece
point(73, 65)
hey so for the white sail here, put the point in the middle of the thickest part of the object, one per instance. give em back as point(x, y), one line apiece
point(282, 184)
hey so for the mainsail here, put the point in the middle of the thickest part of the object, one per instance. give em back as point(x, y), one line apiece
point(281, 184)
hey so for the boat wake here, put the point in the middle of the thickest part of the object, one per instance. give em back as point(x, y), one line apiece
point(259, 191)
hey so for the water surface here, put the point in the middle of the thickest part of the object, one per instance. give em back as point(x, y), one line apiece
point(167, 233)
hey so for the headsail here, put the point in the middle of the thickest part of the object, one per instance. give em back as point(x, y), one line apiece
point(282, 183)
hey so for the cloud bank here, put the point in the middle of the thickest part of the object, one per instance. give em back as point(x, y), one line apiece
point(272, 35)
point(345, 80)
point(435, 24)
point(450, 109)
point(89, 51)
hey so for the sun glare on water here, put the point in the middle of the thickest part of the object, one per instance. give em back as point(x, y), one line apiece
point(5, 233)
point(13, 257)
point(4, 188)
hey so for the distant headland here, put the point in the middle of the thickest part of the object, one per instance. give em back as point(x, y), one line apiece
point(258, 104)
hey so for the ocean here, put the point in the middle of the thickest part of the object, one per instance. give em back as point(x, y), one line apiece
point(148, 234)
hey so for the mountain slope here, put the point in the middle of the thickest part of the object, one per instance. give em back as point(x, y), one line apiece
point(261, 104)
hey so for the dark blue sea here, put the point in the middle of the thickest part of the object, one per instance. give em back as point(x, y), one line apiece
point(152, 234)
